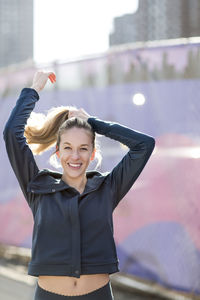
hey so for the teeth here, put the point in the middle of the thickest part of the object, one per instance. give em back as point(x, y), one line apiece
point(75, 165)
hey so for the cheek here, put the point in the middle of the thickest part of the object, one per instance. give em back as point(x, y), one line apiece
point(85, 157)
point(63, 156)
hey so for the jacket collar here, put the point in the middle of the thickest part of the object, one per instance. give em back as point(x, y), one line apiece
point(48, 181)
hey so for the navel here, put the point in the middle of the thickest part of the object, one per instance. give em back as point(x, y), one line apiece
point(75, 283)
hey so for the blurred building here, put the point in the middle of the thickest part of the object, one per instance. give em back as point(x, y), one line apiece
point(156, 20)
point(16, 31)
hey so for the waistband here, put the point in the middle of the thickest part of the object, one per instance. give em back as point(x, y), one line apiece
point(102, 293)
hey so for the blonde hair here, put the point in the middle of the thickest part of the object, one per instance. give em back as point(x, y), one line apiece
point(43, 132)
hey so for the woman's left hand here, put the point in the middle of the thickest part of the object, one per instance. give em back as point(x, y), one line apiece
point(80, 113)
point(40, 79)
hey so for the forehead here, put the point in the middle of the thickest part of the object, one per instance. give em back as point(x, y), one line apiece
point(76, 136)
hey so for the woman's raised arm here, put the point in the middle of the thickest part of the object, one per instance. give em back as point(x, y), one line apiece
point(140, 145)
point(19, 153)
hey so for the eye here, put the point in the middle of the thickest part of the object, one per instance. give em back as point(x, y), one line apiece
point(67, 148)
point(84, 149)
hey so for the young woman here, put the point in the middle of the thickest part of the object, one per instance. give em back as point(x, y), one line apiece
point(73, 249)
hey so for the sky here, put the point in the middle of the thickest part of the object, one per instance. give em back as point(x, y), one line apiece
point(70, 29)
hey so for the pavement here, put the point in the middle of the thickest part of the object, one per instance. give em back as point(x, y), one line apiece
point(11, 289)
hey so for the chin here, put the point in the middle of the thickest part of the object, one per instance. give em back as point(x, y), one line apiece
point(75, 173)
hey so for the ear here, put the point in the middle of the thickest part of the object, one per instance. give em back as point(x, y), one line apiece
point(93, 154)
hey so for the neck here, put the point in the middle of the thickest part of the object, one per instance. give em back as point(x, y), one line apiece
point(77, 183)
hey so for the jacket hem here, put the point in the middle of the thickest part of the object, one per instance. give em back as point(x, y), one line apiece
point(67, 270)
point(97, 269)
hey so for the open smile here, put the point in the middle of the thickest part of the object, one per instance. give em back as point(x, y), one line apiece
point(75, 166)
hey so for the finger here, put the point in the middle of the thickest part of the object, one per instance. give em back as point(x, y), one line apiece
point(69, 114)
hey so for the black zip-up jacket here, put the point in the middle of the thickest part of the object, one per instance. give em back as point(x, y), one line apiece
point(73, 232)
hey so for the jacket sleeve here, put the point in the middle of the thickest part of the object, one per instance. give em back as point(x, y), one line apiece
point(19, 153)
point(140, 145)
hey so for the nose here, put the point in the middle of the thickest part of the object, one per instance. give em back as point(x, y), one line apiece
point(75, 155)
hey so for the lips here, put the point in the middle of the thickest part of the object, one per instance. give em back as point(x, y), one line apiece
point(74, 166)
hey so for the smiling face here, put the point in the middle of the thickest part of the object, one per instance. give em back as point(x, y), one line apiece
point(75, 152)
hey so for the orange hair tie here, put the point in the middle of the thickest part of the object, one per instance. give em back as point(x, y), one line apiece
point(93, 154)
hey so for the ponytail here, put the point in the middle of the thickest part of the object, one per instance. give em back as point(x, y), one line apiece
point(41, 131)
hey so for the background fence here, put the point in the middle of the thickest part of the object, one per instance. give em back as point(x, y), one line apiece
point(156, 225)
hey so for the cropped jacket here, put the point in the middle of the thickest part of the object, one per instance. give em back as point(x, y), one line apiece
point(73, 233)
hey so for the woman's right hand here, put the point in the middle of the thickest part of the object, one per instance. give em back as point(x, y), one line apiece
point(40, 79)
point(80, 113)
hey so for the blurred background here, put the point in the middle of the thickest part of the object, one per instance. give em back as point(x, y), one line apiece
point(136, 63)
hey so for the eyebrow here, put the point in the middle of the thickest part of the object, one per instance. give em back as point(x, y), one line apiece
point(80, 145)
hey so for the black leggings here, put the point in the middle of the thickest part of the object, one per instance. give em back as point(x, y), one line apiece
point(103, 293)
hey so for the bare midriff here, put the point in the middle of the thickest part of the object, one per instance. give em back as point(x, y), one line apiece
point(72, 286)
